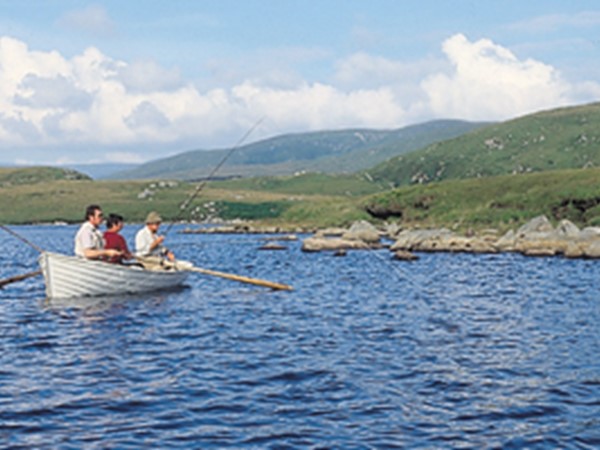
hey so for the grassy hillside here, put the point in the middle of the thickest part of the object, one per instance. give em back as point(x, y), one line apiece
point(551, 140)
point(39, 201)
point(325, 151)
point(306, 184)
point(66, 200)
point(15, 176)
point(317, 201)
point(502, 201)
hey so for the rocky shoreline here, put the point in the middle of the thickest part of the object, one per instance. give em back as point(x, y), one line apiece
point(538, 237)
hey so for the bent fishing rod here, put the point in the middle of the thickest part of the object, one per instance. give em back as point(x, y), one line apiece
point(21, 238)
point(186, 203)
point(24, 276)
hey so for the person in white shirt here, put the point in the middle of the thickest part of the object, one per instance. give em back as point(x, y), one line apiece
point(148, 242)
point(89, 242)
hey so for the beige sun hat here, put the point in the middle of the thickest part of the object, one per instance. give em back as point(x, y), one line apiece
point(153, 217)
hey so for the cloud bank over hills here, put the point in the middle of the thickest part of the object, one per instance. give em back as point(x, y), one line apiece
point(128, 108)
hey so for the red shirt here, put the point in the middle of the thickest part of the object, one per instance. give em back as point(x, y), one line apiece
point(117, 242)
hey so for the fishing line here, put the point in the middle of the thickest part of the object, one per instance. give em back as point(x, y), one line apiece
point(418, 288)
point(21, 238)
point(389, 263)
point(186, 203)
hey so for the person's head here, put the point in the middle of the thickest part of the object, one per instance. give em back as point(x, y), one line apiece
point(114, 222)
point(93, 214)
point(153, 221)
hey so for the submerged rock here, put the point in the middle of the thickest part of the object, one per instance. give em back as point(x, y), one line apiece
point(317, 244)
point(403, 255)
point(272, 246)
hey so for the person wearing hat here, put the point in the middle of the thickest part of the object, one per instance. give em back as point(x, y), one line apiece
point(148, 242)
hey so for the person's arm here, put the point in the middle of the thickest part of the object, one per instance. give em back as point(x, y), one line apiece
point(146, 243)
point(156, 243)
point(164, 251)
point(88, 242)
point(92, 253)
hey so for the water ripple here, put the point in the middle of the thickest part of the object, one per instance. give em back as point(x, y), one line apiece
point(450, 351)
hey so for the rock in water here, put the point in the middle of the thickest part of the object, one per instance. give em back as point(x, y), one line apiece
point(272, 246)
point(403, 255)
point(315, 244)
point(362, 231)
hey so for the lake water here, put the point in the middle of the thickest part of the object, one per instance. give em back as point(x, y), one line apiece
point(450, 351)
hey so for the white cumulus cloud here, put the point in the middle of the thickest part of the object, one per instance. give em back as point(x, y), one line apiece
point(147, 76)
point(93, 101)
point(320, 106)
point(488, 81)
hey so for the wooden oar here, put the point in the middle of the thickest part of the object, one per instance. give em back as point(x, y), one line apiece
point(240, 278)
point(154, 263)
point(16, 278)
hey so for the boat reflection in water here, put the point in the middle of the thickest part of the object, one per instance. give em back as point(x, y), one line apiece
point(96, 308)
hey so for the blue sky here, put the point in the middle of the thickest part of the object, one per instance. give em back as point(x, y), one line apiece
point(131, 81)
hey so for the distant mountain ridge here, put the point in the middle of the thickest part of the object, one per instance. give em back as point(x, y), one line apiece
point(564, 138)
point(101, 170)
point(324, 151)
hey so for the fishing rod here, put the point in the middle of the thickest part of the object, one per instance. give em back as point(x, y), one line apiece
point(21, 238)
point(186, 203)
point(16, 278)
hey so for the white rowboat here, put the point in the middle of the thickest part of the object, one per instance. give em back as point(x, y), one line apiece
point(72, 276)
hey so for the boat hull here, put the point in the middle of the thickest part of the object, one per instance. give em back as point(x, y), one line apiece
point(70, 276)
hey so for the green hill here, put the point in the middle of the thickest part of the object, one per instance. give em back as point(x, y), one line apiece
point(15, 176)
point(497, 176)
point(559, 139)
point(501, 201)
point(316, 200)
point(326, 151)
point(306, 184)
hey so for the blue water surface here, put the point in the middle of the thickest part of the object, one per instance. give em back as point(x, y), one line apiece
point(449, 351)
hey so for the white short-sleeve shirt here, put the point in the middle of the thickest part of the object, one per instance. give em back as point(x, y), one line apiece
point(143, 242)
point(88, 237)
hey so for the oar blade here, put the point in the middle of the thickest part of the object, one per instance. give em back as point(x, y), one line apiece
point(244, 279)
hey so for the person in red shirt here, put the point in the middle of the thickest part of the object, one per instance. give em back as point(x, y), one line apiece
point(113, 239)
